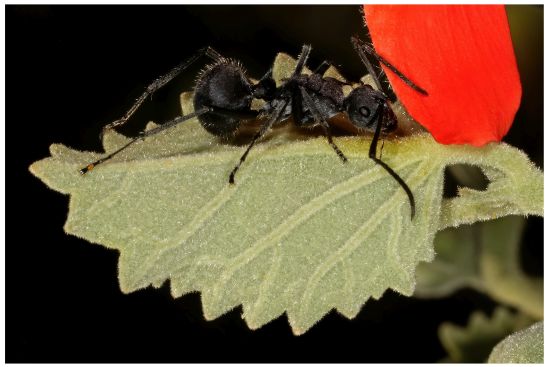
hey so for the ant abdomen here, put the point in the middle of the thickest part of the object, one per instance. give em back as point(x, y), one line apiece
point(224, 88)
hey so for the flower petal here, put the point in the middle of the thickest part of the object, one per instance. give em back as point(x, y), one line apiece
point(462, 55)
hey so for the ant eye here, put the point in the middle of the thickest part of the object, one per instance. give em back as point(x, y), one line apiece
point(364, 111)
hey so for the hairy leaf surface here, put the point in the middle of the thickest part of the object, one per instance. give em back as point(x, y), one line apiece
point(299, 233)
point(524, 346)
point(474, 342)
point(484, 256)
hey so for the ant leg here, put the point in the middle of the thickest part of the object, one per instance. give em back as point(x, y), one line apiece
point(143, 135)
point(362, 48)
point(301, 62)
point(318, 116)
point(161, 81)
point(373, 156)
point(297, 106)
point(322, 68)
point(240, 115)
point(266, 126)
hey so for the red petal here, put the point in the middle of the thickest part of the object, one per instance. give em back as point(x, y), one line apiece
point(462, 55)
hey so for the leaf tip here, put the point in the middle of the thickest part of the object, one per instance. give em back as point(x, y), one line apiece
point(34, 168)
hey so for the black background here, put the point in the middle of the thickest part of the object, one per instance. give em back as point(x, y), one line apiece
point(72, 69)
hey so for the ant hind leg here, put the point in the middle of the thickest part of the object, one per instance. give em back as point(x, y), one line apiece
point(161, 81)
point(144, 135)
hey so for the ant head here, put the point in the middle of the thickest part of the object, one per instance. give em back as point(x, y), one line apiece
point(363, 105)
point(225, 87)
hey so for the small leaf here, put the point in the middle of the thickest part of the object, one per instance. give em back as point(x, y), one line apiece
point(501, 271)
point(484, 256)
point(473, 343)
point(299, 233)
point(524, 346)
point(455, 266)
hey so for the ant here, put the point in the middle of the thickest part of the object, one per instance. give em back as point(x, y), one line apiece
point(223, 96)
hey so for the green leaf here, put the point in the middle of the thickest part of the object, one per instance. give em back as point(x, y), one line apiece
point(524, 346)
point(501, 271)
point(299, 233)
point(456, 264)
point(473, 343)
point(484, 256)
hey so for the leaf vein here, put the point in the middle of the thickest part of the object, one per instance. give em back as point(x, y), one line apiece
point(306, 211)
point(268, 281)
point(98, 205)
point(353, 242)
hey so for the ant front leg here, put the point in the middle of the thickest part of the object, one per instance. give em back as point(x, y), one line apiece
point(319, 118)
point(161, 81)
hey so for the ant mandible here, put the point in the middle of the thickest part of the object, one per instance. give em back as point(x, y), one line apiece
point(223, 96)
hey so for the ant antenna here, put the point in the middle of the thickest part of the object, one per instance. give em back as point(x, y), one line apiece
point(356, 42)
point(373, 153)
point(360, 46)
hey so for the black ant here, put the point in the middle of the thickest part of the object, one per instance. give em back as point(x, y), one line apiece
point(223, 96)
